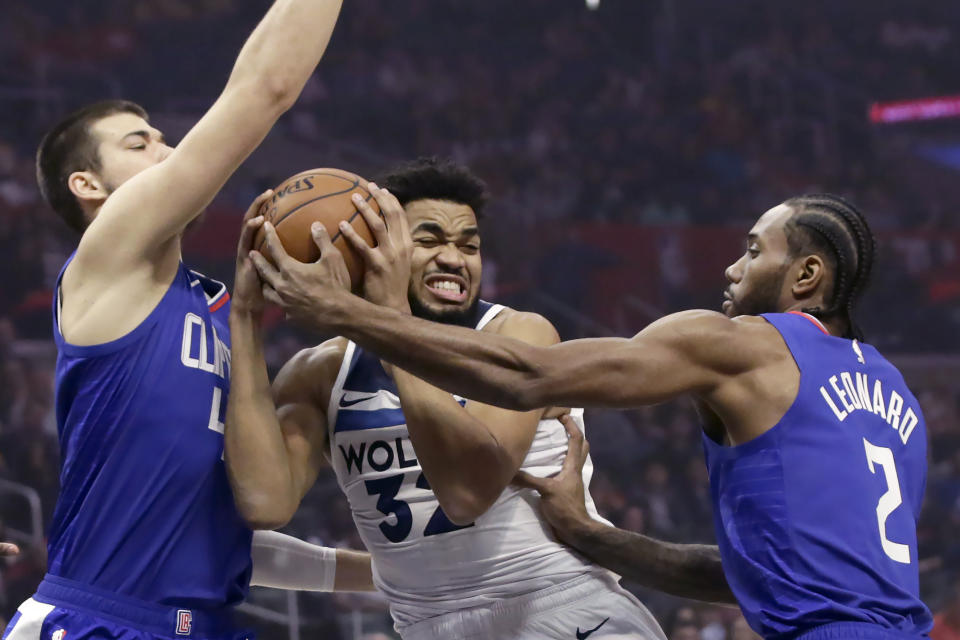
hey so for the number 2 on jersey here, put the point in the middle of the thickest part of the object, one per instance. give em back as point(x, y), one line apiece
point(387, 504)
point(889, 501)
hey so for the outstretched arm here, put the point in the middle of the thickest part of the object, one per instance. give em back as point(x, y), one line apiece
point(268, 76)
point(685, 570)
point(688, 352)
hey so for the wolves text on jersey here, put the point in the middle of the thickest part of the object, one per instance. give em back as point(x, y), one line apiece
point(379, 455)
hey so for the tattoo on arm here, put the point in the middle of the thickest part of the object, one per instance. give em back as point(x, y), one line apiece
point(686, 570)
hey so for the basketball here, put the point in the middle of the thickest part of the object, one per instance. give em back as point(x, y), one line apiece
point(319, 195)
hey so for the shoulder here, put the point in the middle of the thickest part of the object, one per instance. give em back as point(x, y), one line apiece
point(713, 338)
point(525, 326)
point(310, 374)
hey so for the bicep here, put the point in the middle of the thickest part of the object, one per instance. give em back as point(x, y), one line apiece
point(303, 425)
point(676, 355)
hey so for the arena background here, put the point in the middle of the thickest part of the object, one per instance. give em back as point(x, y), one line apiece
point(628, 148)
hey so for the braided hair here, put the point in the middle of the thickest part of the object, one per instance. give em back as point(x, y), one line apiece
point(832, 227)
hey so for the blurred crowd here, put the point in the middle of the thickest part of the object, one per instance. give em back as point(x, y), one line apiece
point(628, 149)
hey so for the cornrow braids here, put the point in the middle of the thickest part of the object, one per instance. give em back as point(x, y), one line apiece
point(829, 225)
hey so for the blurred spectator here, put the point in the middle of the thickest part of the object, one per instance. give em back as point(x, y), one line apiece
point(946, 622)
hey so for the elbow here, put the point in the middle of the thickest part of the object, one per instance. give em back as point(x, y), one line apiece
point(281, 93)
point(264, 512)
point(271, 95)
point(462, 508)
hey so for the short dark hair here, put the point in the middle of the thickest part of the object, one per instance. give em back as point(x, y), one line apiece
point(833, 228)
point(437, 179)
point(70, 146)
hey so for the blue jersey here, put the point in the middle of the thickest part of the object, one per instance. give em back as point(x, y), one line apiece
point(816, 518)
point(145, 508)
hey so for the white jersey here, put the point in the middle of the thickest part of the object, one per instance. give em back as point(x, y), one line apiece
point(426, 565)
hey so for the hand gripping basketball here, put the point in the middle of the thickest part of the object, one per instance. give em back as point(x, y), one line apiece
point(301, 289)
point(386, 265)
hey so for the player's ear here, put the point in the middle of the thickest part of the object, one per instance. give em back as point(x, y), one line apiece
point(810, 276)
point(87, 187)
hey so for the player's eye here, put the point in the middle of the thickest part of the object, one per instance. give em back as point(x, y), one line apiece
point(426, 242)
point(139, 147)
point(753, 250)
point(470, 248)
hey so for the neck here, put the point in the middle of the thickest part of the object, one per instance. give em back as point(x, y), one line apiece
point(835, 325)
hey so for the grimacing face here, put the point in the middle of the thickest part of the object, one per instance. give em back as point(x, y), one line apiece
point(127, 146)
point(758, 282)
point(445, 268)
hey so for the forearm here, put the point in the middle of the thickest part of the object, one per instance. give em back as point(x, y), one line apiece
point(686, 570)
point(482, 366)
point(282, 52)
point(354, 571)
point(284, 562)
point(466, 466)
point(255, 452)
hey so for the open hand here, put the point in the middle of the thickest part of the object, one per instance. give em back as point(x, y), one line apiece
point(562, 497)
point(303, 291)
point(386, 277)
point(247, 288)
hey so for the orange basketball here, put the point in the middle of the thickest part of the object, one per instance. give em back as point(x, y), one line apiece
point(319, 195)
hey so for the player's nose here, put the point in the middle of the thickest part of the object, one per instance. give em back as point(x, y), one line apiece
point(450, 256)
point(734, 273)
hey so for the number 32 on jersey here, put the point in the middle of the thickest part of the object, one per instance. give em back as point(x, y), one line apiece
point(387, 503)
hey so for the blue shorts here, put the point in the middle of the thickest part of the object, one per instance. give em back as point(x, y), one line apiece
point(64, 610)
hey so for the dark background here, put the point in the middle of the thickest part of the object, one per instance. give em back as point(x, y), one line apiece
point(628, 150)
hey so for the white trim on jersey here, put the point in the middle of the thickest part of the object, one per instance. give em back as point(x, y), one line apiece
point(210, 299)
point(334, 407)
point(491, 313)
point(30, 623)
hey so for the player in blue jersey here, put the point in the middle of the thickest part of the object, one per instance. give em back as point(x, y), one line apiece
point(816, 448)
point(146, 541)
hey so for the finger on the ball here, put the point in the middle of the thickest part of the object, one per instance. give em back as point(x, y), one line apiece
point(273, 247)
point(268, 273)
point(249, 232)
point(372, 218)
point(270, 295)
point(257, 204)
point(359, 244)
point(322, 239)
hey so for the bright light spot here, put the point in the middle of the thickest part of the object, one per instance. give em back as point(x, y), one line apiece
point(593, 4)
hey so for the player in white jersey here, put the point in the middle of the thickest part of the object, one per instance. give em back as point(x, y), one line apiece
point(458, 551)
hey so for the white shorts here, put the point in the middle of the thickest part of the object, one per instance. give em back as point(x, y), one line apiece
point(591, 606)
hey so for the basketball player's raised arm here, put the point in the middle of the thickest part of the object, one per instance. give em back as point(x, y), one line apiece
point(470, 454)
point(137, 222)
point(685, 570)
